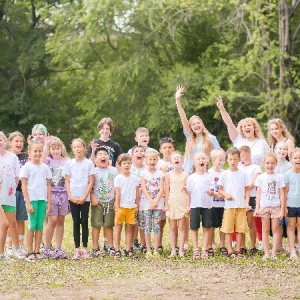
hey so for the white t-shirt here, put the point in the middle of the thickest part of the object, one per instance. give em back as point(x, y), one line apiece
point(128, 187)
point(165, 165)
point(198, 185)
point(216, 176)
point(234, 183)
point(283, 168)
point(79, 173)
point(37, 176)
point(137, 172)
point(153, 188)
point(269, 185)
point(103, 187)
point(251, 170)
point(9, 171)
point(259, 148)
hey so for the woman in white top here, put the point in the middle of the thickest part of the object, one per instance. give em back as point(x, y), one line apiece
point(247, 133)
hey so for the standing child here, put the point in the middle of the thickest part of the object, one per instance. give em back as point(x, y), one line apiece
point(281, 152)
point(9, 173)
point(292, 190)
point(253, 171)
point(234, 187)
point(16, 143)
point(200, 186)
point(126, 202)
point(217, 211)
point(153, 189)
point(79, 176)
point(36, 189)
point(142, 138)
point(103, 200)
point(177, 204)
point(56, 157)
point(270, 202)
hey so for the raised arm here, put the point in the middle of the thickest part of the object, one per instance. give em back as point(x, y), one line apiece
point(181, 112)
point(232, 130)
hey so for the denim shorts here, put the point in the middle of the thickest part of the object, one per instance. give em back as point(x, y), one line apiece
point(293, 212)
point(21, 212)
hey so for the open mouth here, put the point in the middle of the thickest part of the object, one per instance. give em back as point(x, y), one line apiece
point(103, 161)
point(139, 158)
point(202, 165)
point(176, 163)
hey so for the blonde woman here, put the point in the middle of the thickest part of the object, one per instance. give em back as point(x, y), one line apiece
point(198, 138)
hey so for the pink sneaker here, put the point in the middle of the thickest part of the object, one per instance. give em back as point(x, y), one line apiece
point(85, 254)
point(77, 254)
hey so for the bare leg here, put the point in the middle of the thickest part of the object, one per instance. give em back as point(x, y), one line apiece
point(229, 242)
point(173, 227)
point(3, 229)
point(117, 237)
point(38, 240)
point(162, 226)
point(206, 238)
point(182, 231)
point(128, 236)
point(195, 239)
point(277, 237)
point(21, 232)
point(252, 228)
point(12, 224)
point(265, 234)
point(95, 237)
point(51, 224)
point(109, 234)
point(291, 233)
point(60, 229)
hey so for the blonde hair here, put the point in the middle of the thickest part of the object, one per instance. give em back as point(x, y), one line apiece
point(80, 141)
point(151, 151)
point(285, 133)
point(207, 161)
point(141, 129)
point(123, 157)
point(193, 139)
point(270, 154)
point(217, 153)
point(3, 135)
point(15, 134)
point(177, 153)
point(294, 151)
point(33, 142)
point(281, 144)
point(245, 149)
point(57, 142)
point(257, 131)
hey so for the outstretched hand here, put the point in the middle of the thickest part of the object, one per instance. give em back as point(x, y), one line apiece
point(220, 103)
point(179, 91)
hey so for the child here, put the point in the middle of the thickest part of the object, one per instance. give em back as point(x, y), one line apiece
point(142, 138)
point(36, 189)
point(152, 201)
point(281, 152)
point(126, 202)
point(234, 187)
point(79, 175)
point(138, 157)
point(56, 157)
point(253, 171)
point(3, 231)
point(292, 190)
point(177, 204)
point(16, 143)
point(200, 187)
point(39, 132)
point(218, 160)
point(270, 202)
point(103, 199)
point(105, 128)
point(9, 174)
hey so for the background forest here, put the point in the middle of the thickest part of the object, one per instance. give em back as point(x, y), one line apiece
point(67, 64)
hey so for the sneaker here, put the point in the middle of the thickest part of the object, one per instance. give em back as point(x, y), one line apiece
point(10, 252)
point(49, 253)
point(85, 254)
point(59, 253)
point(18, 253)
point(77, 254)
point(136, 245)
point(4, 258)
point(293, 255)
point(260, 246)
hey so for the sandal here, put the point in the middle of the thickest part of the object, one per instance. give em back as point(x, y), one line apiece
point(38, 256)
point(204, 254)
point(143, 249)
point(196, 254)
point(30, 257)
point(117, 254)
point(130, 254)
point(210, 252)
point(111, 251)
point(230, 255)
point(224, 251)
point(239, 255)
point(160, 249)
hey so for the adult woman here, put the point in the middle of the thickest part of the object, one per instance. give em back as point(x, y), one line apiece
point(247, 133)
point(277, 132)
point(198, 139)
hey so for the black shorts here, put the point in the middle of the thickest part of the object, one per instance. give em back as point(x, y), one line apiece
point(217, 217)
point(252, 203)
point(196, 214)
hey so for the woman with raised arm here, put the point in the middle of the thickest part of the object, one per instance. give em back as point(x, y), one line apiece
point(247, 133)
point(198, 138)
point(277, 132)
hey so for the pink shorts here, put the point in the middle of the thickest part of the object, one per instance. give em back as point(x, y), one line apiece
point(60, 204)
point(272, 212)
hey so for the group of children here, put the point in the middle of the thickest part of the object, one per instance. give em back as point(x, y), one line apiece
point(143, 191)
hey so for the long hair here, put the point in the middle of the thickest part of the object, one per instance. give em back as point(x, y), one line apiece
point(257, 131)
point(285, 133)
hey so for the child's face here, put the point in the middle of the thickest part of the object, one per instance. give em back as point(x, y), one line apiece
point(270, 164)
point(138, 155)
point(176, 161)
point(166, 149)
point(281, 151)
point(3, 142)
point(296, 161)
point(248, 129)
point(39, 136)
point(151, 160)
point(35, 153)
point(105, 131)
point(78, 149)
point(200, 161)
point(275, 131)
point(142, 138)
point(16, 144)
point(219, 161)
point(233, 160)
point(196, 126)
point(245, 158)
point(55, 152)
point(125, 166)
point(102, 159)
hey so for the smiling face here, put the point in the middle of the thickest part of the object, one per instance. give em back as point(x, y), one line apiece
point(56, 152)
point(281, 150)
point(248, 130)
point(196, 125)
point(3, 142)
point(177, 161)
point(275, 131)
point(270, 163)
point(39, 135)
point(142, 138)
point(138, 155)
point(105, 132)
point(296, 161)
point(102, 159)
point(35, 153)
point(151, 161)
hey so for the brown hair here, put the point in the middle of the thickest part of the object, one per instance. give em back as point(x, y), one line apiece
point(233, 151)
point(57, 142)
point(107, 121)
point(78, 140)
point(15, 134)
point(245, 149)
point(123, 157)
point(257, 131)
point(282, 127)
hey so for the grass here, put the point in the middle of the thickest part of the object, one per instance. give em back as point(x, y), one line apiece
point(162, 278)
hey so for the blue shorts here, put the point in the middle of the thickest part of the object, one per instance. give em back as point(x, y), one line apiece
point(293, 212)
point(21, 212)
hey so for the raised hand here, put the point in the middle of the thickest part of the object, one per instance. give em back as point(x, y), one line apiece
point(179, 91)
point(220, 103)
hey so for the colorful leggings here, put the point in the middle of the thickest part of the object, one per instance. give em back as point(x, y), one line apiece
point(152, 219)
